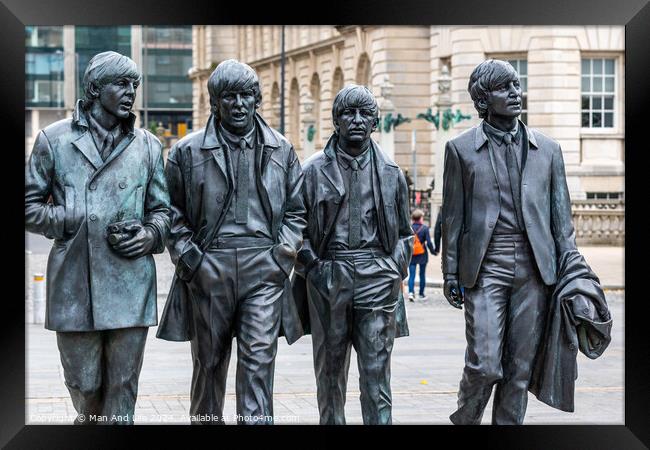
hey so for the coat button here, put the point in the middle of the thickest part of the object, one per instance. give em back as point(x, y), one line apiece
point(122, 184)
point(491, 224)
point(585, 311)
point(572, 347)
point(92, 217)
point(219, 198)
point(92, 186)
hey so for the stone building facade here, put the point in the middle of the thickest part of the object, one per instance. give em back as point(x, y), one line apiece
point(573, 78)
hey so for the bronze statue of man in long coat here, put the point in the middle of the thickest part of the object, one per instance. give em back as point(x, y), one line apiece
point(237, 223)
point(357, 248)
point(95, 184)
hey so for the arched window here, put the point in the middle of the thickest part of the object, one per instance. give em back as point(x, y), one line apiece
point(337, 82)
point(363, 70)
point(314, 90)
point(294, 114)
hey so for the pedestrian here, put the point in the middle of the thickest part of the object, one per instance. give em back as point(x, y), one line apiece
point(420, 255)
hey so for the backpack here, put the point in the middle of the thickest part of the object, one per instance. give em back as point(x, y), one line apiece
point(418, 248)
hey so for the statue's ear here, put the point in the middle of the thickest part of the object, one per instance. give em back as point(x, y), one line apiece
point(482, 102)
point(336, 125)
point(213, 107)
point(375, 124)
point(93, 90)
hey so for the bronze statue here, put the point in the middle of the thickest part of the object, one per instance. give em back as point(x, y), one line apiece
point(107, 214)
point(356, 251)
point(237, 223)
point(506, 225)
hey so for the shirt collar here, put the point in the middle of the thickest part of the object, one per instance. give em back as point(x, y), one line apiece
point(499, 135)
point(345, 159)
point(100, 133)
point(234, 140)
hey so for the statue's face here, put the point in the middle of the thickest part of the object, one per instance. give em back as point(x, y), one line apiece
point(505, 100)
point(355, 124)
point(118, 96)
point(237, 110)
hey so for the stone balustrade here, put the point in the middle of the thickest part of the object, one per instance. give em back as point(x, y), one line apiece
point(599, 222)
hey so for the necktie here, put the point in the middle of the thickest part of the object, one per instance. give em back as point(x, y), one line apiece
point(108, 146)
point(354, 239)
point(241, 206)
point(515, 178)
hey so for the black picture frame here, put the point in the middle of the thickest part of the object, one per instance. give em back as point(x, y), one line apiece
point(633, 14)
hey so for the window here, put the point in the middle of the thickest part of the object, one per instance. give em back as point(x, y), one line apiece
point(47, 37)
point(604, 195)
point(521, 66)
point(92, 40)
point(598, 84)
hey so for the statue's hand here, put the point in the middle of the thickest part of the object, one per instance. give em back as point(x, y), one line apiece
point(452, 292)
point(140, 243)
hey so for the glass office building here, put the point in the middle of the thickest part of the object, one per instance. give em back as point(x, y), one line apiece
point(56, 58)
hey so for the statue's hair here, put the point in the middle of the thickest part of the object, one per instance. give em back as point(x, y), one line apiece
point(106, 67)
point(357, 96)
point(232, 75)
point(486, 77)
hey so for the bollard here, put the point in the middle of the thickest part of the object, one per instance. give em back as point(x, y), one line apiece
point(29, 312)
point(38, 297)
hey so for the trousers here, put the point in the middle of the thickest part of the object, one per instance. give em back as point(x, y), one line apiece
point(101, 371)
point(352, 296)
point(423, 277)
point(236, 292)
point(504, 316)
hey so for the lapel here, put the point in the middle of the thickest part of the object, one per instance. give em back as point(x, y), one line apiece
point(384, 187)
point(265, 145)
point(530, 143)
point(331, 170)
point(332, 173)
point(124, 143)
point(480, 142)
point(211, 143)
point(387, 172)
point(262, 155)
point(85, 143)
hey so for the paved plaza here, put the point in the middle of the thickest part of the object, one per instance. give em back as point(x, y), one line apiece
point(426, 366)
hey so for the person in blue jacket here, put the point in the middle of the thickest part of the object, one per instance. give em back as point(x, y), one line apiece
point(420, 254)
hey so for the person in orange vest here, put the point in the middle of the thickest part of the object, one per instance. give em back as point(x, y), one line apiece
point(420, 255)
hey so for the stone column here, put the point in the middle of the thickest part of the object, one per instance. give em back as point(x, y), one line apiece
point(138, 59)
point(443, 103)
point(386, 107)
point(69, 70)
point(308, 123)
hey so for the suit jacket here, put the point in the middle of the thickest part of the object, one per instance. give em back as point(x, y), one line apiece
point(323, 192)
point(578, 319)
point(470, 203)
point(89, 285)
point(201, 191)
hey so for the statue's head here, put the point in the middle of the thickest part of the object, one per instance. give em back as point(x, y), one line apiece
point(112, 79)
point(355, 113)
point(235, 95)
point(495, 90)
